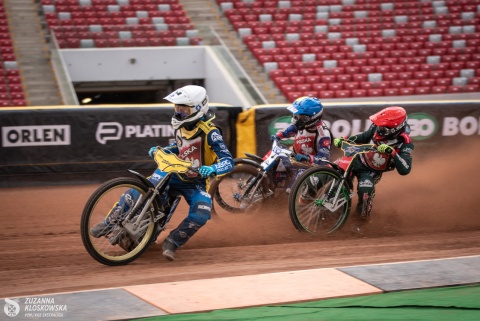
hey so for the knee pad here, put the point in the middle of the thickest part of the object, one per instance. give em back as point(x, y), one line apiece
point(200, 213)
point(365, 186)
point(128, 199)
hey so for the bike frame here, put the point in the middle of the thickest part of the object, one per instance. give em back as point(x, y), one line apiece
point(270, 162)
point(153, 194)
point(343, 167)
point(169, 164)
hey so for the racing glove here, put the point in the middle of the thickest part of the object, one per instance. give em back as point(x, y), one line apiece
point(206, 171)
point(274, 137)
point(338, 141)
point(301, 158)
point(152, 151)
point(384, 148)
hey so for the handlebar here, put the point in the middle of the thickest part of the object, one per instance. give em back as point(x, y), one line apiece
point(351, 142)
point(278, 144)
point(167, 161)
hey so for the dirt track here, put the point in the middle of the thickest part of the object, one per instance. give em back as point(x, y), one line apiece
point(432, 213)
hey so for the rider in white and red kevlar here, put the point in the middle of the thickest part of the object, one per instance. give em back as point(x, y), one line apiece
point(390, 133)
point(311, 137)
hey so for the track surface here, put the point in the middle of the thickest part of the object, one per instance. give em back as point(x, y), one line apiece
point(432, 213)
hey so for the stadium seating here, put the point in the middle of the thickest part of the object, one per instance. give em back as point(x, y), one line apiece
point(11, 88)
point(119, 23)
point(364, 48)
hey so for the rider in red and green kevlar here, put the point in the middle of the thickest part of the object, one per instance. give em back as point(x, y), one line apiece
point(389, 132)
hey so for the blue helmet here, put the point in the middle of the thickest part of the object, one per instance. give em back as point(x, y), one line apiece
point(307, 111)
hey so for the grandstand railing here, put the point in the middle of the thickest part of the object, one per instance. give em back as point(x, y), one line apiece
point(67, 91)
point(237, 72)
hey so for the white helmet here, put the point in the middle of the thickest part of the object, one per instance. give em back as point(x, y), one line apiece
point(192, 96)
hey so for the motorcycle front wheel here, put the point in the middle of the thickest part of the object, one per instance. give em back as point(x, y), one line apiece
point(229, 191)
point(115, 246)
point(309, 198)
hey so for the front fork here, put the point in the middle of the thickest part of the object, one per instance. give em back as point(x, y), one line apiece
point(252, 188)
point(332, 199)
point(136, 228)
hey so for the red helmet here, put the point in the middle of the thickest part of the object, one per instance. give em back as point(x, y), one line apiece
point(390, 122)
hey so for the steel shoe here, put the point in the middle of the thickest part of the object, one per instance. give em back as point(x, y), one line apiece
point(169, 248)
point(105, 227)
point(101, 229)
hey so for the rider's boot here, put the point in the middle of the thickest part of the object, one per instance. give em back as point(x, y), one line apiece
point(105, 227)
point(169, 248)
point(178, 237)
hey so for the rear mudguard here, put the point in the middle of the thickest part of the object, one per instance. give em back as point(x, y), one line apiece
point(246, 161)
point(255, 158)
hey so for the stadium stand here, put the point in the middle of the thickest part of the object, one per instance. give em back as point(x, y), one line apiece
point(363, 48)
point(11, 89)
point(341, 48)
point(119, 23)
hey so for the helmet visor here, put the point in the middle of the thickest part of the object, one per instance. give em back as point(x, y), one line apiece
point(182, 111)
point(385, 131)
point(301, 118)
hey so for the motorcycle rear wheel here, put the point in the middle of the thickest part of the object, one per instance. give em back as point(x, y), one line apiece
point(305, 202)
point(98, 207)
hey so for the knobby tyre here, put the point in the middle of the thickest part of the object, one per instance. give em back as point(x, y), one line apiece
point(306, 199)
point(124, 249)
point(229, 190)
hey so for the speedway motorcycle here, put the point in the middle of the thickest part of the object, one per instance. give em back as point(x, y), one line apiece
point(252, 182)
point(135, 225)
point(320, 199)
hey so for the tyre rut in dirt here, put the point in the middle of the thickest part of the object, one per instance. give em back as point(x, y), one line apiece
point(307, 195)
point(230, 188)
point(99, 205)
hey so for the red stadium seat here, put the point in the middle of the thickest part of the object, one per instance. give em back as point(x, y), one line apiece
point(359, 93)
point(342, 94)
point(303, 87)
point(360, 77)
point(367, 85)
point(279, 81)
point(335, 86)
point(15, 88)
point(344, 78)
point(312, 79)
point(276, 73)
point(292, 95)
point(422, 90)
point(391, 91)
point(439, 89)
point(328, 78)
point(472, 88)
point(443, 82)
point(351, 85)
point(19, 102)
point(297, 79)
point(406, 91)
point(320, 87)
point(290, 72)
point(327, 94)
point(455, 89)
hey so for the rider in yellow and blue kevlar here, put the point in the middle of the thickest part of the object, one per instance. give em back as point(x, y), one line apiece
point(199, 141)
point(389, 132)
point(311, 136)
